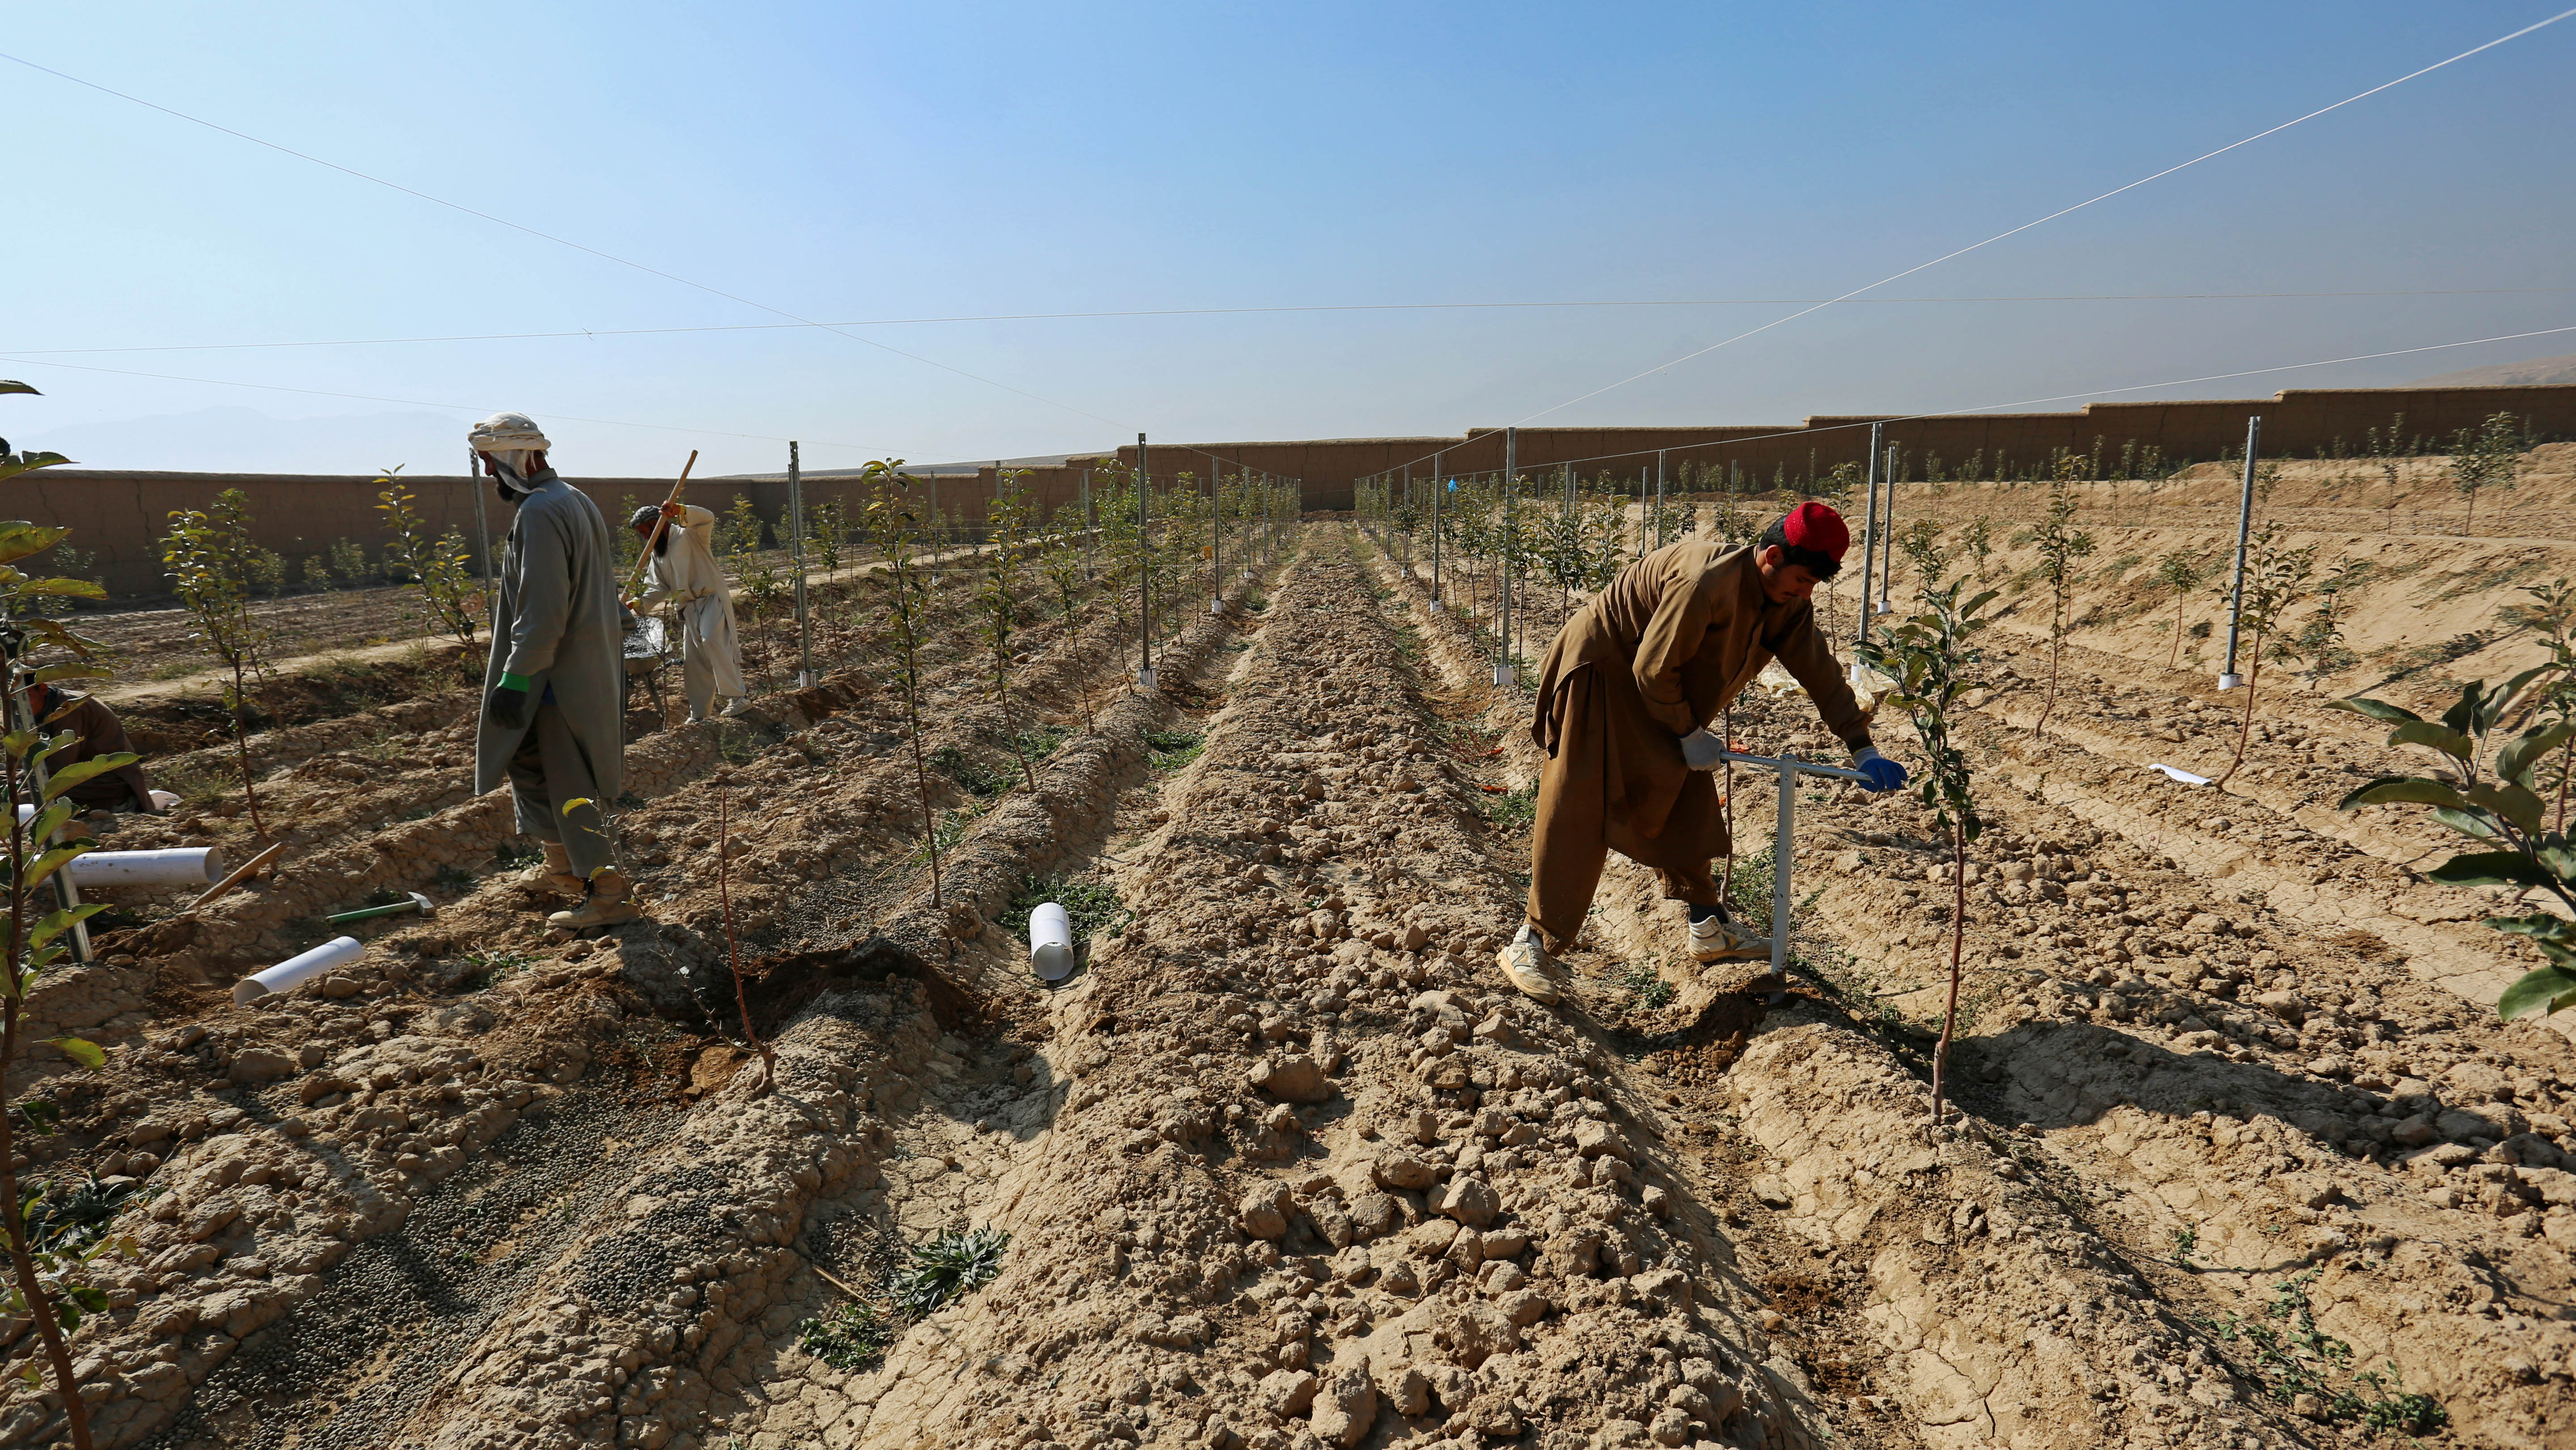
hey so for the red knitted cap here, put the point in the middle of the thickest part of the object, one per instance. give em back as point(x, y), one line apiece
point(1816, 526)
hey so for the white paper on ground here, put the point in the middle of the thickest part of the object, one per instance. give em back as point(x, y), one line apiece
point(2185, 776)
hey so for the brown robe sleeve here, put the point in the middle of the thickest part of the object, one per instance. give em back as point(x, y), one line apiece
point(1802, 651)
point(101, 733)
point(1672, 640)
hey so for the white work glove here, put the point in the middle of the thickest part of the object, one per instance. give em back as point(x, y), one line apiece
point(1702, 751)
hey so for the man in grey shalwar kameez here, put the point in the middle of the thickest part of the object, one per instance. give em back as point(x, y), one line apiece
point(555, 687)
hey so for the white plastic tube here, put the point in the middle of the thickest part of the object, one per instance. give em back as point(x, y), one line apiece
point(178, 866)
point(1051, 942)
point(295, 971)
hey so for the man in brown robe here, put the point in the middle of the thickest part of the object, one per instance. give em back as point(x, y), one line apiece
point(1625, 696)
point(97, 732)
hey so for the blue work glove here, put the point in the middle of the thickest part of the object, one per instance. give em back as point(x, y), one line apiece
point(1884, 774)
point(1702, 751)
point(508, 707)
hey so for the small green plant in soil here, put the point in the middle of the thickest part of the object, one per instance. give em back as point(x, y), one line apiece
point(2181, 571)
point(442, 567)
point(1747, 885)
point(1090, 907)
point(971, 776)
point(1041, 741)
point(2485, 793)
point(2061, 545)
point(2276, 579)
point(947, 1269)
point(895, 532)
point(454, 880)
point(1647, 989)
point(1011, 533)
point(1170, 750)
point(49, 1250)
point(491, 966)
point(2483, 457)
point(852, 1335)
point(208, 554)
point(1512, 809)
point(1932, 657)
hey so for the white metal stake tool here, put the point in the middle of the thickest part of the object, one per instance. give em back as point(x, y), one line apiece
point(1790, 768)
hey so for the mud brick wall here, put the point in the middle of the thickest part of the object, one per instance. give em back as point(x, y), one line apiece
point(121, 515)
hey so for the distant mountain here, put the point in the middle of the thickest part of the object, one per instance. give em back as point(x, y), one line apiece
point(246, 440)
point(2560, 369)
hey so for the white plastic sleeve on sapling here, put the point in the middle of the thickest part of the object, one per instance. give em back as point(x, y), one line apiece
point(177, 866)
point(1051, 942)
point(295, 971)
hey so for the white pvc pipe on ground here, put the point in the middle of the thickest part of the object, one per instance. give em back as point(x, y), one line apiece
point(1051, 942)
point(177, 866)
point(295, 971)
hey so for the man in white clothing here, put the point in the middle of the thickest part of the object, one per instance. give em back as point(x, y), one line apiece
point(684, 573)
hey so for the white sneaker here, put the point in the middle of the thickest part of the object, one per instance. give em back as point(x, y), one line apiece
point(735, 706)
point(1528, 967)
point(1721, 941)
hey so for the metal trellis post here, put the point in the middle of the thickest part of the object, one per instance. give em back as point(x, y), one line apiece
point(1511, 461)
point(2228, 679)
point(482, 530)
point(1144, 574)
point(1869, 535)
point(1439, 486)
point(796, 550)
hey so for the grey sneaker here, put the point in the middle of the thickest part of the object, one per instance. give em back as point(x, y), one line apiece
point(1528, 967)
point(1721, 941)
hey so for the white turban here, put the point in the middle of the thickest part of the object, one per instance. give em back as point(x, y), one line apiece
point(507, 433)
point(513, 442)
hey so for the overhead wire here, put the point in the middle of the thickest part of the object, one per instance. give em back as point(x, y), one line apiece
point(2052, 216)
point(551, 237)
point(2025, 226)
point(836, 330)
point(840, 329)
point(600, 332)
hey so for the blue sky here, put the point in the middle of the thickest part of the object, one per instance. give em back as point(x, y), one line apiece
point(855, 163)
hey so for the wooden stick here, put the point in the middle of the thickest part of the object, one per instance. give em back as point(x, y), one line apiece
point(241, 873)
point(644, 560)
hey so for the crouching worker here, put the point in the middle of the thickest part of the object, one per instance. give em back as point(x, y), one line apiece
point(96, 732)
point(556, 681)
point(684, 573)
point(1625, 697)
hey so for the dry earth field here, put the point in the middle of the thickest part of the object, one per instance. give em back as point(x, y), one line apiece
point(2247, 1160)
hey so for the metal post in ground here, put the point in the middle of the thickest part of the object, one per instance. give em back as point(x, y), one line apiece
point(1144, 573)
point(796, 551)
point(2228, 679)
point(1868, 535)
point(1659, 498)
point(1511, 461)
point(1439, 486)
point(482, 530)
point(1216, 537)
